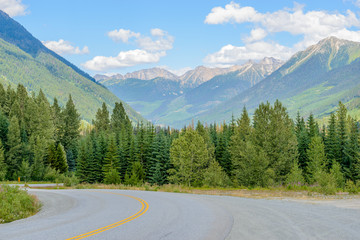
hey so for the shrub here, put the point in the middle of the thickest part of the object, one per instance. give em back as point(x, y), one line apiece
point(16, 204)
point(351, 187)
point(70, 180)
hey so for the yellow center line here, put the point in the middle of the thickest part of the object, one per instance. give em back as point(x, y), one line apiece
point(144, 208)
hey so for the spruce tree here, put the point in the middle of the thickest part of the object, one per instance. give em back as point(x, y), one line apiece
point(4, 125)
point(342, 135)
point(331, 142)
point(3, 167)
point(71, 133)
point(14, 145)
point(62, 165)
point(111, 160)
point(317, 160)
point(102, 121)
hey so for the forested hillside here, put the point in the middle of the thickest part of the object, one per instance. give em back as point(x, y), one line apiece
point(40, 140)
point(25, 60)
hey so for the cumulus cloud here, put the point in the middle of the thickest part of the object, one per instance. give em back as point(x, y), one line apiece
point(123, 59)
point(122, 35)
point(256, 35)
point(229, 54)
point(162, 42)
point(13, 7)
point(157, 32)
point(63, 47)
point(312, 25)
point(151, 49)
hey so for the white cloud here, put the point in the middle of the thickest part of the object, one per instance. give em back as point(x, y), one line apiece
point(122, 35)
point(256, 35)
point(63, 47)
point(123, 59)
point(229, 54)
point(13, 7)
point(151, 49)
point(157, 32)
point(162, 42)
point(232, 13)
point(311, 25)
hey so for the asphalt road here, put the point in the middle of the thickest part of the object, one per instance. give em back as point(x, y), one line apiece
point(118, 214)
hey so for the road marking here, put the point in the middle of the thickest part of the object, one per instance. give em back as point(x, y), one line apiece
point(144, 208)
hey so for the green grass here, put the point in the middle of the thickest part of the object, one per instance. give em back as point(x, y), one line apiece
point(16, 203)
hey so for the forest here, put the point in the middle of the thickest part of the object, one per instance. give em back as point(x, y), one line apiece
point(40, 141)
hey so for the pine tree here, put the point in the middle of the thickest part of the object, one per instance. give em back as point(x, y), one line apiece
point(62, 165)
point(312, 128)
point(14, 154)
point(274, 133)
point(82, 169)
point(71, 132)
point(111, 160)
point(317, 160)
point(352, 150)
point(58, 121)
point(2, 96)
point(160, 160)
point(3, 167)
point(342, 137)
point(251, 166)
point(331, 142)
point(102, 121)
point(4, 125)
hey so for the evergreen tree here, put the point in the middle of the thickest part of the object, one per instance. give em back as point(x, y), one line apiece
point(342, 137)
point(331, 142)
point(352, 150)
point(71, 133)
point(111, 160)
point(4, 125)
point(57, 120)
point(14, 154)
point(102, 121)
point(160, 160)
point(312, 128)
point(251, 166)
point(61, 160)
point(295, 177)
point(82, 169)
point(189, 155)
point(137, 174)
point(274, 133)
point(317, 160)
point(3, 167)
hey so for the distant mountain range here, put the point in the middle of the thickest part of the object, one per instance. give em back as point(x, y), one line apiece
point(311, 81)
point(25, 60)
point(165, 100)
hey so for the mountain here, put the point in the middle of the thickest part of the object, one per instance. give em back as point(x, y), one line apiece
point(25, 60)
point(313, 80)
point(201, 74)
point(165, 101)
point(214, 91)
point(145, 74)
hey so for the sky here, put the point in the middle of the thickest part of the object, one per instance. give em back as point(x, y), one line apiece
point(112, 36)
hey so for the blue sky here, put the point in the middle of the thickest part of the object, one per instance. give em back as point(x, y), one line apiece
point(111, 36)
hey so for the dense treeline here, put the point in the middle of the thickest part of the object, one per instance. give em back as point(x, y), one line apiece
point(39, 140)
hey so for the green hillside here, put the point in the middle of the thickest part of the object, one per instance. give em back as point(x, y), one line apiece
point(40, 68)
point(314, 80)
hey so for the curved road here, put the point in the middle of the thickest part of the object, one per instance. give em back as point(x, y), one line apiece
point(119, 214)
